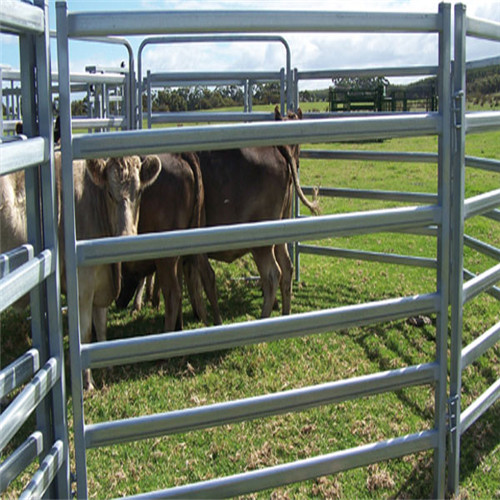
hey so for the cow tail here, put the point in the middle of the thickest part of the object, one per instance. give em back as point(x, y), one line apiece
point(292, 165)
point(198, 215)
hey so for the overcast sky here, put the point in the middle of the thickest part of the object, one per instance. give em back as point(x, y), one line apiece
point(309, 52)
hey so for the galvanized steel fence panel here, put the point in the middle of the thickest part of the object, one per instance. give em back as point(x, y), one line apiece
point(440, 216)
point(33, 269)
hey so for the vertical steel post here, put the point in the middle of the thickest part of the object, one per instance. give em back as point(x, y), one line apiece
point(296, 100)
point(443, 245)
point(457, 234)
point(61, 486)
point(32, 185)
point(150, 98)
point(68, 208)
point(245, 96)
point(282, 91)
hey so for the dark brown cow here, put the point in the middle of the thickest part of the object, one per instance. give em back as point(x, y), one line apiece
point(174, 201)
point(107, 199)
point(252, 185)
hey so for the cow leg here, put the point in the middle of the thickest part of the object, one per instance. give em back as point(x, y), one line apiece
point(198, 267)
point(85, 299)
point(208, 279)
point(155, 297)
point(168, 280)
point(192, 273)
point(99, 317)
point(270, 276)
point(285, 263)
point(138, 295)
point(150, 287)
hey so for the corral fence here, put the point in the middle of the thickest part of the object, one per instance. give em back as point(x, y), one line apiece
point(441, 215)
point(36, 379)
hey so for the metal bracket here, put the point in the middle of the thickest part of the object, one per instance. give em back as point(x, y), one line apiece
point(452, 413)
point(458, 105)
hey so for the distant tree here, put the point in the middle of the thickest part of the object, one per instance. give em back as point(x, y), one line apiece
point(356, 83)
point(79, 108)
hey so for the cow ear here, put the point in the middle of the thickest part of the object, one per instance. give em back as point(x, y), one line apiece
point(299, 114)
point(150, 169)
point(277, 114)
point(97, 171)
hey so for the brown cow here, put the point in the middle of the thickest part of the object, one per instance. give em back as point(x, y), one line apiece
point(107, 199)
point(12, 211)
point(174, 201)
point(253, 185)
point(13, 218)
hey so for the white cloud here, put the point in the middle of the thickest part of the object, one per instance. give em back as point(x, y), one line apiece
point(318, 51)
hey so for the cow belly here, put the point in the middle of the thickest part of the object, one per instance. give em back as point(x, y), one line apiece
point(229, 255)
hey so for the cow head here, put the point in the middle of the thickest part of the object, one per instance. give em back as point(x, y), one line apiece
point(123, 181)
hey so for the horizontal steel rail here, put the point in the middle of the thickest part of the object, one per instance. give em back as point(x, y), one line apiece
point(482, 247)
point(114, 121)
point(27, 400)
point(25, 278)
point(83, 77)
point(479, 28)
point(481, 203)
point(493, 291)
point(483, 163)
point(250, 134)
point(208, 339)
point(46, 473)
point(344, 253)
point(165, 22)
point(18, 155)
point(108, 78)
point(479, 406)
point(16, 463)
point(483, 63)
point(482, 121)
point(211, 116)
point(470, 161)
point(19, 371)
point(481, 283)
point(480, 345)
point(493, 215)
point(29, 19)
point(302, 470)
point(368, 72)
point(324, 154)
point(212, 239)
point(211, 78)
point(12, 259)
point(190, 419)
point(373, 194)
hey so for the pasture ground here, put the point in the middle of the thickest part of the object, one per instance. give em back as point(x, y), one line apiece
point(161, 386)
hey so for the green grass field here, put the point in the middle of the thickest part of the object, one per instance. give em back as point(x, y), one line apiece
point(162, 386)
